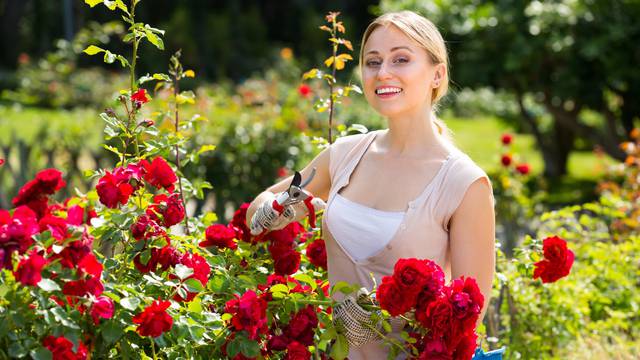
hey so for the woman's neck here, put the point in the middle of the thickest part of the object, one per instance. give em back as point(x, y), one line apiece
point(413, 136)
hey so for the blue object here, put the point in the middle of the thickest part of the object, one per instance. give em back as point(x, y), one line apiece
point(491, 355)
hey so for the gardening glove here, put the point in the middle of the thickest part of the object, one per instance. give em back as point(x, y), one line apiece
point(271, 216)
point(355, 322)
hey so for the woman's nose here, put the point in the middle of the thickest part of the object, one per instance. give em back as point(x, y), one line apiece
point(383, 72)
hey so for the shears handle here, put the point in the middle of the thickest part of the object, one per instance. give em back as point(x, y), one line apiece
point(276, 205)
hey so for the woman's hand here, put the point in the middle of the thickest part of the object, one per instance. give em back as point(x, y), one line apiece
point(268, 218)
point(356, 323)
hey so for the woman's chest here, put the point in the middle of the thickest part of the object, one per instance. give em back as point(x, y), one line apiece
point(388, 184)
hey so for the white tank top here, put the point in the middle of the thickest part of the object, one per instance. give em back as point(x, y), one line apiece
point(363, 231)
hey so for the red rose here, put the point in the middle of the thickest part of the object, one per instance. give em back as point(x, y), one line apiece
point(1, 162)
point(523, 169)
point(158, 173)
point(82, 287)
point(304, 90)
point(297, 351)
point(507, 139)
point(557, 261)
point(411, 275)
point(29, 271)
point(201, 271)
point(46, 182)
point(154, 320)
point(113, 190)
point(506, 160)
point(140, 96)
point(90, 265)
point(249, 313)
point(146, 228)
point(302, 326)
point(102, 307)
point(76, 215)
point(466, 301)
point(57, 226)
point(168, 257)
point(62, 349)
point(278, 342)
point(439, 317)
point(466, 347)
point(169, 207)
point(435, 349)
point(149, 265)
point(317, 253)
point(239, 222)
point(288, 263)
point(220, 236)
point(393, 299)
point(16, 233)
point(74, 251)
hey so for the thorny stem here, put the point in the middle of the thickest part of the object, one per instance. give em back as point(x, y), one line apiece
point(387, 338)
point(331, 81)
point(153, 348)
point(177, 120)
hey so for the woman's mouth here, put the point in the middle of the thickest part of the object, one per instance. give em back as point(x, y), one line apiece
point(386, 92)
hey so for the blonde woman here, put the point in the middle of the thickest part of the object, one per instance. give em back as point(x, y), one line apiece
point(401, 192)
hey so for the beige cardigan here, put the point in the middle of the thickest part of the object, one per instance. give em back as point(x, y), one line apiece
point(423, 232)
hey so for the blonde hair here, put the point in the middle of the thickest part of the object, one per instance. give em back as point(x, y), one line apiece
point(426, 34)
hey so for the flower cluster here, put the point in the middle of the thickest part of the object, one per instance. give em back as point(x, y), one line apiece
point(507, 158)
point(249, 314)
point(282, 248)
point(446, 315)
point(557, 261)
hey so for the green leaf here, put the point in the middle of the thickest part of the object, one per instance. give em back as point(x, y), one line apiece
point(193, 285)
point(123, 61)
point(154, 39)
point(93, 3)
point(40, 353)
point(249, 348)
point(48, 285)
point(186, 97)
point(183, 271)
point(307, 279)
point(109, 57)
point(340, 349)
point(111, 332)
point(205, 148)
point(92, 49)
point(130, 303)
point(279, 288)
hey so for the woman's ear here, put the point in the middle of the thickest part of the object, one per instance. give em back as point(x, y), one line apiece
point(438, 74)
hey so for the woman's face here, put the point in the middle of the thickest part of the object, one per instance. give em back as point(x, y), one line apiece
point(397, 74)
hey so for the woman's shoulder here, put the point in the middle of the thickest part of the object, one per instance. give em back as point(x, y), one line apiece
point(464, 168)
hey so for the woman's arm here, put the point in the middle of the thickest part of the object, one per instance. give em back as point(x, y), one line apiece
point(472, 239)
point(318, 187)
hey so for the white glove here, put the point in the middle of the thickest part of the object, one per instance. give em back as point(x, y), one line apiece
point(355, 322)
point(267, 218)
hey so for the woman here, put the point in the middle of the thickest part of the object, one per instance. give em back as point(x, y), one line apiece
point(401, 192)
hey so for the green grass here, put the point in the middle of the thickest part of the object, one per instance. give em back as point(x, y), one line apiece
point(480, 139)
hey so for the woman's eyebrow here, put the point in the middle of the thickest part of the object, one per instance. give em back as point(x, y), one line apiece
point(392, 50)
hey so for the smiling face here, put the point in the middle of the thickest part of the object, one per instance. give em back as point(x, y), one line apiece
point(398, 75)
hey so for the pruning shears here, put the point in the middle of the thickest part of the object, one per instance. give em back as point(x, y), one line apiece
point(296, 194)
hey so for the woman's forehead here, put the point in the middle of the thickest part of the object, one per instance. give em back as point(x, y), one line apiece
point(387, 38)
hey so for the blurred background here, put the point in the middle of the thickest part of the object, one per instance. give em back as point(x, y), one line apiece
point(544, 97)
point(562, 76)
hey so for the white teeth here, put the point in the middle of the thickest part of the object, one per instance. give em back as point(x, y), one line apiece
point(388, 90)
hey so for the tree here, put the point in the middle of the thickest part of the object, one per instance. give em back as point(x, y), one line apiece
point(572, 65)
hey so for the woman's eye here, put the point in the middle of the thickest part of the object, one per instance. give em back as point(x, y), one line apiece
point(373, 63)
point(401, 60)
